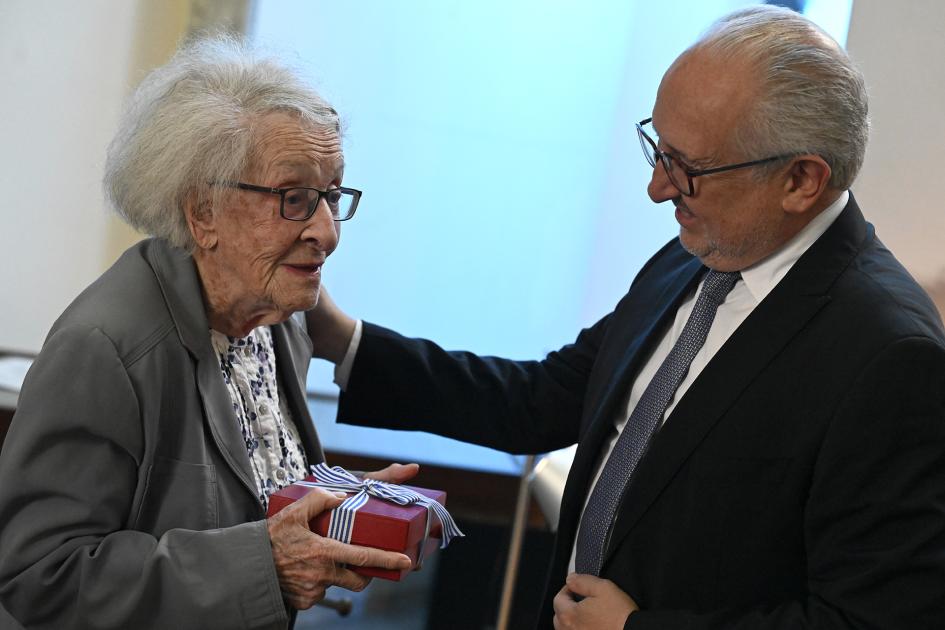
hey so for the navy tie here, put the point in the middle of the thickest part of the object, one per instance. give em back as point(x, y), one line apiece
point(601, 508)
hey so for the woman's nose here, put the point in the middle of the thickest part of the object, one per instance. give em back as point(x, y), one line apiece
point(322, 228)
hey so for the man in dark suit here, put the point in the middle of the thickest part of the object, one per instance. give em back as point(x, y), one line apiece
point(761, 419)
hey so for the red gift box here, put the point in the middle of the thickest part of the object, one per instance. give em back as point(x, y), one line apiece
point(379, 524)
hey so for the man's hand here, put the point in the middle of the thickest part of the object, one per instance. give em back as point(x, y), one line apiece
point(604, 605)
point(307, 563)
point(329, 328)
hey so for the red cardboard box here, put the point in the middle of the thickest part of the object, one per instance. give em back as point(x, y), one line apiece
point(379, 524)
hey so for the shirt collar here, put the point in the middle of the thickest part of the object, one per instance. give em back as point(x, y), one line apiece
point(764, 275)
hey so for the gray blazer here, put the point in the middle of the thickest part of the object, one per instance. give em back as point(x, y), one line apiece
point(126, 494)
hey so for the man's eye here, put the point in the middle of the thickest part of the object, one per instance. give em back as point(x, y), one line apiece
point(682, 165)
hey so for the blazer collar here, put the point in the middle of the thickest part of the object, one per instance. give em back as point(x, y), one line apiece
point(656, 311)
point(786, 310)
point(176, 274)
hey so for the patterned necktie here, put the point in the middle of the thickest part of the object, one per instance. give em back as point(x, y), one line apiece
point(602, 506)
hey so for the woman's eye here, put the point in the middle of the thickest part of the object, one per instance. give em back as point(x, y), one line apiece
point(294, 198)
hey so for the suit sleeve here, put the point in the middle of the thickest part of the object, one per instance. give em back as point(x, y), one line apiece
point(875, 513)
point(515, 406)
point(71, 466)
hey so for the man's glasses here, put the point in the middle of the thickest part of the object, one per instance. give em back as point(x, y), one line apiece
point(680, 176)
point(299, 203)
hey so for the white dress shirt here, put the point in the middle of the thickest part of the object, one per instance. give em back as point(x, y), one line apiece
point(755, 284)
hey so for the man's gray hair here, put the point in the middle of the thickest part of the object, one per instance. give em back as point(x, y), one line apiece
point(812, 98)
point(191, 123)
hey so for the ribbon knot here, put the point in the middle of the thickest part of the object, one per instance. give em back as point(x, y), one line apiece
point(341, 523)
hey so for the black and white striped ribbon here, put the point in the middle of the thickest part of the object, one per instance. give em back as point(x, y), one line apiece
point(341, 523)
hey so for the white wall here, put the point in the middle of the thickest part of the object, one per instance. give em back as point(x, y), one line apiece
point(65, 67)
point(900, 46)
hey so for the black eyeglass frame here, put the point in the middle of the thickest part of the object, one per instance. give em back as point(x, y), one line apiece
point(668, 161)
point(355, 198)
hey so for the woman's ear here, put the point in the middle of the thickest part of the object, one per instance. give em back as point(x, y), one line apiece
point(805, 183)
point(200, 220)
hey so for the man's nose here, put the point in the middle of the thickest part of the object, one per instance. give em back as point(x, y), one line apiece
point(660, 189)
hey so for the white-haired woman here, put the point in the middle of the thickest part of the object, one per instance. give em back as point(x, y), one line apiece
point(168, 400)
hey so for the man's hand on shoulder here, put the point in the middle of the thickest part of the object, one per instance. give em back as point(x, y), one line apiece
point(329, 328)
point(395, 473)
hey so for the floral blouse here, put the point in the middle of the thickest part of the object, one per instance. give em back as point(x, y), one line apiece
point(271, 437)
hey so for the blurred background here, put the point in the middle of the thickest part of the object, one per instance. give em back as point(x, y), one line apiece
point(505, 201)
point(504, 198)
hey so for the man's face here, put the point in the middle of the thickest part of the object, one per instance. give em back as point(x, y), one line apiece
point(732, 220)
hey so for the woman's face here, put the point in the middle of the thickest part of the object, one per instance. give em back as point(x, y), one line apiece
point(257, 267)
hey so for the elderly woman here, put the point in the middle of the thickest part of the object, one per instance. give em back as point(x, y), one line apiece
point(168, 401)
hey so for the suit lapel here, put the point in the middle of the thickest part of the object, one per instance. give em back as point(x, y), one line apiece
point(657, 312)
point(218, 408)
point(758, 341)
point(631, 338)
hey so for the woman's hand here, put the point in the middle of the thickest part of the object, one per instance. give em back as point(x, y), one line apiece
point(307, 563)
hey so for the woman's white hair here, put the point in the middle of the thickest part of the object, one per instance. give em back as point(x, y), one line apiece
point(812, 98)
point(191, 123)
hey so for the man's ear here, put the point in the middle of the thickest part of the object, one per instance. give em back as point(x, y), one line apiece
point(200, 220)
point(805, 183)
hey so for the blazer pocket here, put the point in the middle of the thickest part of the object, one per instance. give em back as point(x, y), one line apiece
point(178, 495)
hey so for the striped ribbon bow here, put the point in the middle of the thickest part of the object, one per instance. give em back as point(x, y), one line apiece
point(341, 523)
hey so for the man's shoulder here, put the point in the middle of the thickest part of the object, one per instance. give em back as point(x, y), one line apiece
point(888, 302)
point(873, 300)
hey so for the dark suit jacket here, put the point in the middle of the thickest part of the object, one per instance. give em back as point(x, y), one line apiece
point(127, 497)
point(799, 482)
